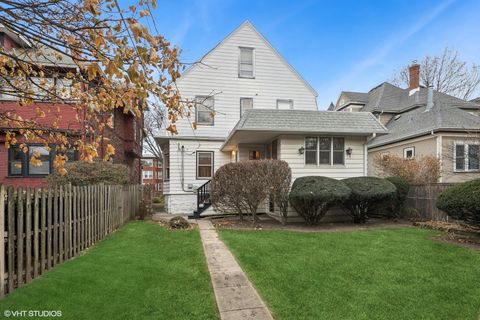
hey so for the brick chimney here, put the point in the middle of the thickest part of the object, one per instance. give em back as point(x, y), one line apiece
point(414, 75)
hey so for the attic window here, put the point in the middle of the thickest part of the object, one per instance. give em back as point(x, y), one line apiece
point(246, 63)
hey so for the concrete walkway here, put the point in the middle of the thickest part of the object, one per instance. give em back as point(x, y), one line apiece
point(236, 297)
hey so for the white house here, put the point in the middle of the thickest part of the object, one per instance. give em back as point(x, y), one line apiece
point(263, 109)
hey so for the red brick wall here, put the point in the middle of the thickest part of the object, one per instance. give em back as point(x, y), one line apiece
point(155, 180)
point(127, 149)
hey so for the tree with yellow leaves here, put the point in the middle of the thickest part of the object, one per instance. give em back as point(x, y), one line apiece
point(89, 57)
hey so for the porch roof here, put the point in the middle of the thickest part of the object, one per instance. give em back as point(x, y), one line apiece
point(260, 125)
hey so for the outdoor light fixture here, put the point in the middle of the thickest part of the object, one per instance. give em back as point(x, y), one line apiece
point(349, 151)
point(301, 150)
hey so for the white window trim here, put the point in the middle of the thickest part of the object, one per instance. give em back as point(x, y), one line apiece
point(318, 151)
point(211, 124)
point(287, 100)
point(166, 158)
point(253, 62)
point(405, 150)
point(242, 99)
point(465, 150)
point(212, 162)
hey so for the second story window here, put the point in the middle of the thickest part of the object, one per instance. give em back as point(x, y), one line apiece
point(245, 104)
point(204, 107)
point(246, 63)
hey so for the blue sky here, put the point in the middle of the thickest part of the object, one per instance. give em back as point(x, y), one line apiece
point(335, 45)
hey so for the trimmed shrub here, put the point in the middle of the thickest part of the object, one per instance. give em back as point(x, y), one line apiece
point(313, 196)
point(403, 187)
point(240, 187)
point(178, 223)
point(365, 193)
point(82, 173)
point(228, 188)
point(462, 202)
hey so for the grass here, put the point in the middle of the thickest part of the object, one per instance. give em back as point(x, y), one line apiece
point(381, 274)
point(142, 271)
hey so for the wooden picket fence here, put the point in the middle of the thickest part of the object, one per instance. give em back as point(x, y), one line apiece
point(421, 202)
point(43, 227)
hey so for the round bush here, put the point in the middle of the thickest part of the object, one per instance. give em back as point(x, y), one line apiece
point(365, 193)
point(462, 202)
point(313, 196)
point(178, 223)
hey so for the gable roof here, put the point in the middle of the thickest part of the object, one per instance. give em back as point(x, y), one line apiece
point(305, 122)
point(247, 23)
point(416, 122)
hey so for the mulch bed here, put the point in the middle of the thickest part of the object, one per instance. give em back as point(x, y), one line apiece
point(268, 223)
point(454, 233)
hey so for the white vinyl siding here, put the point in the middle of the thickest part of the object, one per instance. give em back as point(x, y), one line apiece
point(173, 185)
point(353, 167)
point(218, 75)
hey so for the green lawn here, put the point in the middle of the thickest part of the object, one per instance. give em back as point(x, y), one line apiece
point(141, 272)
point(382, 274)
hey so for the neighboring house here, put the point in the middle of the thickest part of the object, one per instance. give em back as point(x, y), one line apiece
point(421, 122)
point(152, 173)
point(264, 110)
point(15, 168)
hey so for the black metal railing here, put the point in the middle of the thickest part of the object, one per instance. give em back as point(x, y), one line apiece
point(203, 198)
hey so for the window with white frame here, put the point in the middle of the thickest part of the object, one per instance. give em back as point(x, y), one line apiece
point(311, 148)
point(284, 104)
point(246, 63)
point(204, 164)
point(204, 108)
point(245, 104)
point(166, 168)
point(467, 157)
point(147, 174)
point(325, 150)
point(409, 153)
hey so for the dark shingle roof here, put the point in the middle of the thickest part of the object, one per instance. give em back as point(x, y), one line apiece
point(356, 96)
point(389, 98)
point(442, 117)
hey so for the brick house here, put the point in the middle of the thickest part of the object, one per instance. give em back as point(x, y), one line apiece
point(15, 168)
point(152, 173)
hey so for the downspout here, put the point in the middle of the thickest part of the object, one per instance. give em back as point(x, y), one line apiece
point(182, 172)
